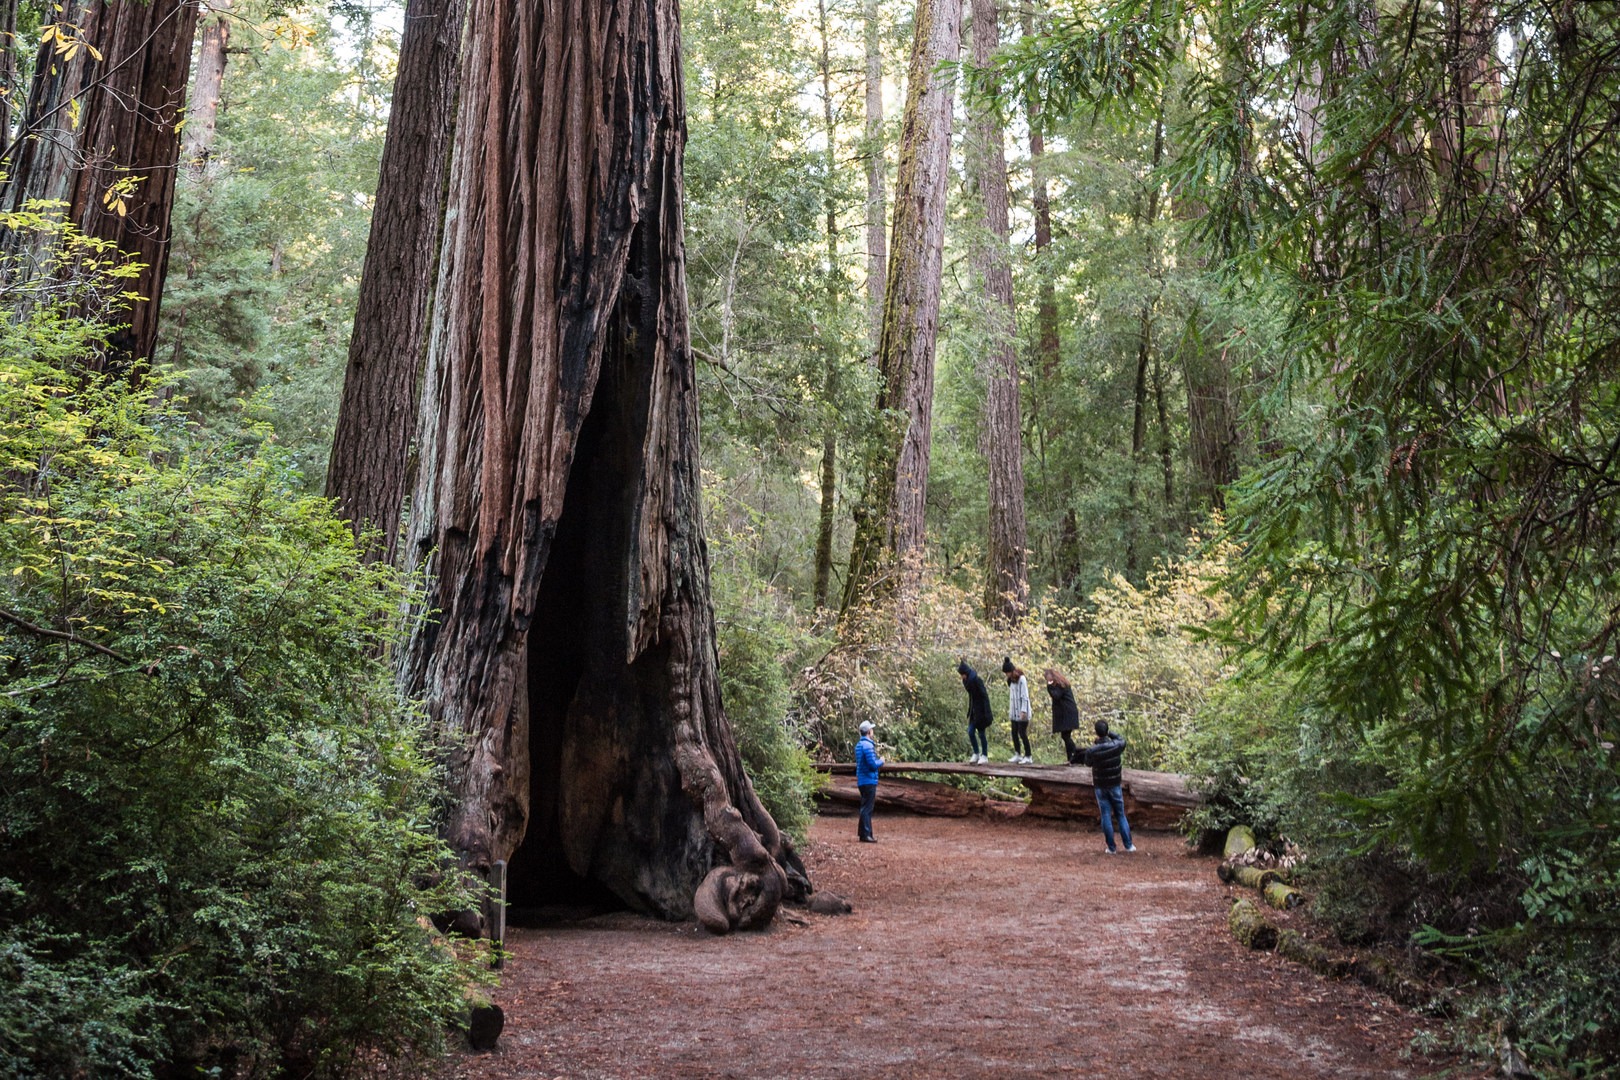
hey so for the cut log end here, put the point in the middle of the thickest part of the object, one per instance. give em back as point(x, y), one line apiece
point(1282, 896)
point(1239, 838)
point(1250, 927)
point(484, 1026)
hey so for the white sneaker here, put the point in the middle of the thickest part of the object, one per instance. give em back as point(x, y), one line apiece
point(1108, 851)
point(1028, 760)
point(984, 759)
point(1014, 760)
point(1130, 847)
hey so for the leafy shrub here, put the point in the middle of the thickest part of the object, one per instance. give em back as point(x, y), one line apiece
point(218, 828)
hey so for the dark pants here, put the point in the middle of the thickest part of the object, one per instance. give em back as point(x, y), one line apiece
point(1068, 743)
point(868, 798)
point(1021, 737)
point(978, 740)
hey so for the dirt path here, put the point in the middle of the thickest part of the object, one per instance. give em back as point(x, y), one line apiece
point(975, 949)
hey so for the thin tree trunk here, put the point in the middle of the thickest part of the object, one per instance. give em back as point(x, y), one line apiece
point(202, 113)
point(876, 211)
point(1166, 458)
point(1007, 583)
point(556, 512)
point(369, 469)
point(889, 517)
point(114, 161)
point(830, 357)
point(1147, 215)
point(8, 65)
point(1046, 327)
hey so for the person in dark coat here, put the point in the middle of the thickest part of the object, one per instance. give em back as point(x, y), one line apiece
point(1105, 756)
point(978, 714)
point(1065, 713)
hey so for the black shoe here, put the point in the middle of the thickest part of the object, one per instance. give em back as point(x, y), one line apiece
point(868, 839)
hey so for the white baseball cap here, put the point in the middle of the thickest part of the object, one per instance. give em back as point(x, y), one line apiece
point(866, 725)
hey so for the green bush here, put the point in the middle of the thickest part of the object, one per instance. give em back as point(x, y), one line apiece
point(219, 845)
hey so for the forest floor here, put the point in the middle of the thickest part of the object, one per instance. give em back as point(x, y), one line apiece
point(976, 948)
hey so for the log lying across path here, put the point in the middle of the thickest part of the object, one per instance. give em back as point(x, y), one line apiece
point(1153, 800)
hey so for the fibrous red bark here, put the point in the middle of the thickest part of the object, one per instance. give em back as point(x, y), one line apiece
point(555, 512)
point(202, 113)
point(368, 472)
point(889, 518)
point(1007, 582)
point(102, 135)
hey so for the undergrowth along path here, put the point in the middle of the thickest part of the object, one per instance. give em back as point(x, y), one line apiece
point(975, 949)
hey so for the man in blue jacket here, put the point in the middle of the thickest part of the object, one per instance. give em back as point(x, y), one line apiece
point(1107, 780)
point(867, 764)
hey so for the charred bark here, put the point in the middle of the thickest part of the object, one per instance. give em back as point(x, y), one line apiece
point(1007, 583)
point(369, 469)
point(556, 509)
point(888, 545)
point(113, 163)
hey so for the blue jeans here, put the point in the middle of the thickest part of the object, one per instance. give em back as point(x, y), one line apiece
point(979, 740)
point(1111, 804)
point(868, 798)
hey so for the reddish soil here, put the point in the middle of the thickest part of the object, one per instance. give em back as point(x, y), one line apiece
point(976, 948)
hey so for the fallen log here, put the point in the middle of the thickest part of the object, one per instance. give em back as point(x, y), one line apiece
point(840, 795)
point(1250, 927)
point(1239, 839)
point(1279, 894)
point(1301, 950)
point(1255, 877)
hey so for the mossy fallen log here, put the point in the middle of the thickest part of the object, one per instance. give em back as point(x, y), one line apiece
point(1239, 838)
point(1255, 877)
point(1301, 950)
point(1279, 894)
point(1250, 927)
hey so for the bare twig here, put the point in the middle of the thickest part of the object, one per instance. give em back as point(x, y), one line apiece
point(61, 635)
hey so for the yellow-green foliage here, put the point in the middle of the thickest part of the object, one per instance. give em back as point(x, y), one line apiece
point(1135, 657)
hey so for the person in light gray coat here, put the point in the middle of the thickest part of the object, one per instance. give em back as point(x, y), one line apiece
point(1017, 710)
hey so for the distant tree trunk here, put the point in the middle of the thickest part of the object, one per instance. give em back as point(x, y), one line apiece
point(1046, 327)
point(876, 251)
point(369, 469)
point(830, 350)
point(556, 512)
point(1147, 213)
point(1212, 420)
point(1166, 453)
point(889, 517)
point(115, 167)
point(202, 113)
point(1007, 583)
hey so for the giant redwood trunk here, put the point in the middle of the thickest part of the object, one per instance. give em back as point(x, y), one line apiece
point(888, 543)
point(555, 514)
point(207, 83)
point(368, 472)
point(103, 136)
point(1007, 583)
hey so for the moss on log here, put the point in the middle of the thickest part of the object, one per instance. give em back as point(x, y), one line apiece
point(1301, 950)
point(1239, 838)
point(1250, 927)
point(1254, 877)
point(1279, 894)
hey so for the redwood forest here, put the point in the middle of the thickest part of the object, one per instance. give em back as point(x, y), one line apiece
point(665, 538)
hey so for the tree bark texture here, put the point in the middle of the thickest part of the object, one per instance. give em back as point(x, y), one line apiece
point(1007, 582)
point(115, 166)
point(830, 358)
point(556, 510)
point(207, 82)
point(8, 65)
point(889, 518)
point(370, 466)
point(876, 176)
point(1046, 323)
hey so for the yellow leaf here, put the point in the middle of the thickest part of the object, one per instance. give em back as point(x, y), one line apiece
point(95, 52)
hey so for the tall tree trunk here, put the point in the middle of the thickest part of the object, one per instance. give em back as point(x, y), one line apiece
point(1147, 214)
point(830, 350)
point(1007, 583)
point(1046, 326)
point(369, 469)
point(876, 212)
point(556, 511)
point(1212, 420)
point(8, 66)
point(889, 517)
point(202, 113)
point(114, 163)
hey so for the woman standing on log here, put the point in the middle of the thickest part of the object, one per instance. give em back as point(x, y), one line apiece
point(978, 713)
point(1017, 710)
point(1065, 712)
